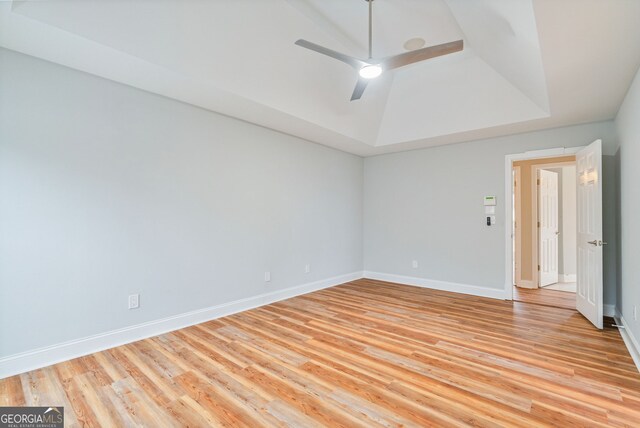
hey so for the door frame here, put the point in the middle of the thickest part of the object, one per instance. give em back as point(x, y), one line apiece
point(535, 233)
point(508, 198)
point(516, 226)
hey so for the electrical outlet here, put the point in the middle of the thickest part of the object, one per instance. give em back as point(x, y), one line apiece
point(134, 301)
point(635, 313)
point(414, 264)
point(267, 276)
point(307, 268)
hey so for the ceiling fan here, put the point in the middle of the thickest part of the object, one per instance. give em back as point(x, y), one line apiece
point(371, 68)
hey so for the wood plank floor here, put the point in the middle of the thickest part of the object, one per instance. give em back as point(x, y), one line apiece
point(367, 354)
point(542, 296)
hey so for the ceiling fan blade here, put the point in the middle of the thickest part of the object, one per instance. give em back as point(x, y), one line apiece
point(359, 89)
point(353, 62)
point(421, 54)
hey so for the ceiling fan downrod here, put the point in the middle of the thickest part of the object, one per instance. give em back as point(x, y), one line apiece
point(370, 28)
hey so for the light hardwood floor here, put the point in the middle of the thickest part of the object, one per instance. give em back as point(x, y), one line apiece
point(543, 296)
point(366, 353)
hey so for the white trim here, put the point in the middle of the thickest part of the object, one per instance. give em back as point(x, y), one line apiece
point(535, 230)
point(627, 336)
point(38, 358)
point(508, 203)
point(516, 225)
point(474, 290)
point(547, 153)
point(570, 277)
point(609, 310)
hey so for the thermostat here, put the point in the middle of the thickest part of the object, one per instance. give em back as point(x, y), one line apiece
point(490, 209)
point(489, 201)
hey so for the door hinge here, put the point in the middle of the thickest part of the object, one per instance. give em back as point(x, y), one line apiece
point(538, 181)
point(538, 224)
point(538, 267)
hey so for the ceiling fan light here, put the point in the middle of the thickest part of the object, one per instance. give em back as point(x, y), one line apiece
point(370, 71)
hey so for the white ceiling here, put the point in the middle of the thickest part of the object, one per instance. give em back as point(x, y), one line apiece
point(527, 64)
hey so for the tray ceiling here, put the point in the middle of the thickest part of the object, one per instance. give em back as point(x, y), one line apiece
point(526, 64)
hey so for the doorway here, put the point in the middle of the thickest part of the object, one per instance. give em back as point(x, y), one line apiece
point(589, 239)
point(544, 231)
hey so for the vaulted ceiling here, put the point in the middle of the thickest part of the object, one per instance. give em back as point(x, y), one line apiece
point(527, 64)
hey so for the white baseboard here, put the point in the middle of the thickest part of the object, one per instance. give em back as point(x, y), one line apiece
point(572, 277)
point(31, 360)
point(474, 290)
point(609, 310)
point(632, 343)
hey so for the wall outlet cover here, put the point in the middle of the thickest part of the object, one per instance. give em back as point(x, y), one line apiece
point(134, 301)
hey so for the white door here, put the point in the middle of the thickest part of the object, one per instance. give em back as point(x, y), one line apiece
point(548, 226)
point(589, 200)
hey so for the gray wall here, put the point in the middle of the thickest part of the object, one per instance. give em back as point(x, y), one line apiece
point(426, 205)
point(628, 126)
point(106, 190)
point(609, 222)
point(618, 233)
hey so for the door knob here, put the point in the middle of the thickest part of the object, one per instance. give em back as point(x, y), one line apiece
point(601, 243)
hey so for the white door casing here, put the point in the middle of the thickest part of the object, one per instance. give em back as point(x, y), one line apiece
point(548, 227)
point(508, 206)
point(589, 212)
point(517, 227)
